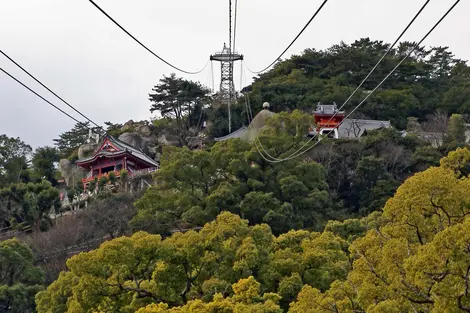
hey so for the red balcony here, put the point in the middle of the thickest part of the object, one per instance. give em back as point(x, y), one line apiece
point(137, 173)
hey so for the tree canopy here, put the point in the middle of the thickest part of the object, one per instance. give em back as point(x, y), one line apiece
point(69, 141)
point(374, 225)
point(182, 101)
point(195, 186)
point(412, 257)
point(129, 273)
point(20, 280)
point(44, 163)
point(416, 259)
point(431, 79)
point(29, 203)
point(14, 157)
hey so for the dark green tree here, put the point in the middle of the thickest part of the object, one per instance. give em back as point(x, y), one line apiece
point(14, 158)
point(431, 79)
point(455, 132)
point(20, 280)
point(113, 129)
point(44, 163)
point(69, 142)
point(180, 100)
point(192, 187)
point(30, 203)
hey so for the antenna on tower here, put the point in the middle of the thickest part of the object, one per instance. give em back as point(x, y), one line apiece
point(227, 87)
point(226, 58)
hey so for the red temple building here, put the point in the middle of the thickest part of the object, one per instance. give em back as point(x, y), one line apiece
point(327, 119)
point(114, 156)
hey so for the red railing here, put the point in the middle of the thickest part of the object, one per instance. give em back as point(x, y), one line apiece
point(118, 174)
point(92, 178)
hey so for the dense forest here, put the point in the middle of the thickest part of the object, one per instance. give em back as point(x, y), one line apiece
point(377, 224)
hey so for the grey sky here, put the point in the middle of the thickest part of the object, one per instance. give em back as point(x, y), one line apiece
point(86, 59)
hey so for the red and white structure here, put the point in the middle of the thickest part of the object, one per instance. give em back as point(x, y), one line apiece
point(114, 156)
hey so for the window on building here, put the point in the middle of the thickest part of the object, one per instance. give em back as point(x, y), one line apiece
point(107, 169)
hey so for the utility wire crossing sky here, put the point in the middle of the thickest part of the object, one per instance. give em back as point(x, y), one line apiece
point(81, 55)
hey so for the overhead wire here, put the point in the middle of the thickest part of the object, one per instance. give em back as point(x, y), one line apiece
point(48, 89)
point(230, 69)
point(41, 97)
point(293, 41)
point(144, 46)
point(377, 87)
point(241, 75)
point(359, 86)
point(212, 75)
point(249, 108)
point(208, 78)
point(243, 80)
point(235, 24)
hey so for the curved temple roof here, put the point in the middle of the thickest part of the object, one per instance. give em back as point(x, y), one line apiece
point(121, 147)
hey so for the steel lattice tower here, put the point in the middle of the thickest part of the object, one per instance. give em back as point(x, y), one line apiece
point(226, 59)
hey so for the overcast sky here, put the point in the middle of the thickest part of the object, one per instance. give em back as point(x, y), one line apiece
point(92, 64)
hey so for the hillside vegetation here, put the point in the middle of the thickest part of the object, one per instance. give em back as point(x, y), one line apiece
point(374, 225)
point(431, 79)
point(413, 257)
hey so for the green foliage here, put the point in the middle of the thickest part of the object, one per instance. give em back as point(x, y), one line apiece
point(20, 280)
point(92, 186)
point(124, 174)
point(44, 160)
point(218, 116)
point(112, 177)
point(455, 132)
point(182, 101)
point(416, 258)
point(246, 262)
point(365, 173)
point(413, 257)
point(431, 79)
point(192, 187)
point(114, 130)
point(69, 142)
point(30, 203)
point(246, 299)
point(161, 122)
point(14, 157)
point(102, 182)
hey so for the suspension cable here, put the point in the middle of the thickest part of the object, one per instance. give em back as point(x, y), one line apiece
point(44, 99)
point(362, 82)
point(144, 46)
point(212, 75)
point(235, 25)
point(297, 153)
point(360, 85)
point(60, 98)
point(293, 41)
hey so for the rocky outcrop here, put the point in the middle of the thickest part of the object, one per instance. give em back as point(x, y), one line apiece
point(256, 125)
point(148, 138)
point(144, 130)
point(71, 173)
point(135, 140)
point(165, 138)
point(87, 150)
point(141, 135)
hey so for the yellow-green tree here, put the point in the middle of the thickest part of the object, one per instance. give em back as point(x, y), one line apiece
point(196, 267)
point(246, 299)
point(417, 261)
